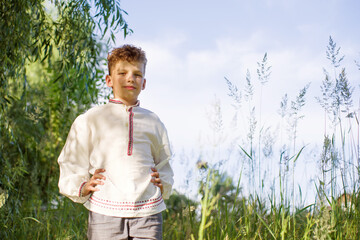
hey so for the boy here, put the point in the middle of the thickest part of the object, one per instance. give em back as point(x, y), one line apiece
point(114, 157)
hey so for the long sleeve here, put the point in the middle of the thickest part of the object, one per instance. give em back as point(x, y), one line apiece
point(162, 162)
point(74, 161)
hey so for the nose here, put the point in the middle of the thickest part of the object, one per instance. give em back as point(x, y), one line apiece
point(131, 77)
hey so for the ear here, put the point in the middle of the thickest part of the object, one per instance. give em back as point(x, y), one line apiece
point(109, 81)
point(144, 84)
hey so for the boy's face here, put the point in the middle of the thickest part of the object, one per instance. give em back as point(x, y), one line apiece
point(127, 80)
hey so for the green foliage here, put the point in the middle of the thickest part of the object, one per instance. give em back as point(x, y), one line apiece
point(67, 220)
point(51, 68)
point(180, 217)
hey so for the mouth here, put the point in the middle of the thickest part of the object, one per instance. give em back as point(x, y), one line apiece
point(129, 87)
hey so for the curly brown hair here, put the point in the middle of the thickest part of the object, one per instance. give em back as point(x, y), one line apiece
point(127, 53)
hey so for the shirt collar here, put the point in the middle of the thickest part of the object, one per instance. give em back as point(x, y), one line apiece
point(120, 102)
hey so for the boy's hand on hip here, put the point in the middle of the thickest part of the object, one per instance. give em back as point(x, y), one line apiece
point(96, 179)
point(156, 179)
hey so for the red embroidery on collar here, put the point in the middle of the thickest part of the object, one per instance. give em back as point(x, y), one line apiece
point(120, 102)
point(115, 101)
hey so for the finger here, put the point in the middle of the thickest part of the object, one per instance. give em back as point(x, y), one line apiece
point(153, 169)
point(92, 189)
point(96, 182)
point(157, 184)
point(89, 189)
point(155, 174)
point(98, 176)
point(161, 187)
point(155, 180)
point(100, 170)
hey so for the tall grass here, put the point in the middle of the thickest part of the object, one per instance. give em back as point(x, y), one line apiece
point(238, 217)
point(62, 219)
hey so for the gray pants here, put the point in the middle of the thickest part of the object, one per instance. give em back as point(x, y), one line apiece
point(108, 227)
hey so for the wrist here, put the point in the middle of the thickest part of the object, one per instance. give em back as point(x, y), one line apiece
point(82, 193)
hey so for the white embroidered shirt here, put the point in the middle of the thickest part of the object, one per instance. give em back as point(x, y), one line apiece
point(126, 142)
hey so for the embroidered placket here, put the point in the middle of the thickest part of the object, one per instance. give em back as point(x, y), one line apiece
point(131, 126)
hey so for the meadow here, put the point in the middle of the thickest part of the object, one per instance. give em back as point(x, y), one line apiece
point(224, 210)
point(39, 100)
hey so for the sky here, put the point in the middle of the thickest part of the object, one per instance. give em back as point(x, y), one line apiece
point(192, 46)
